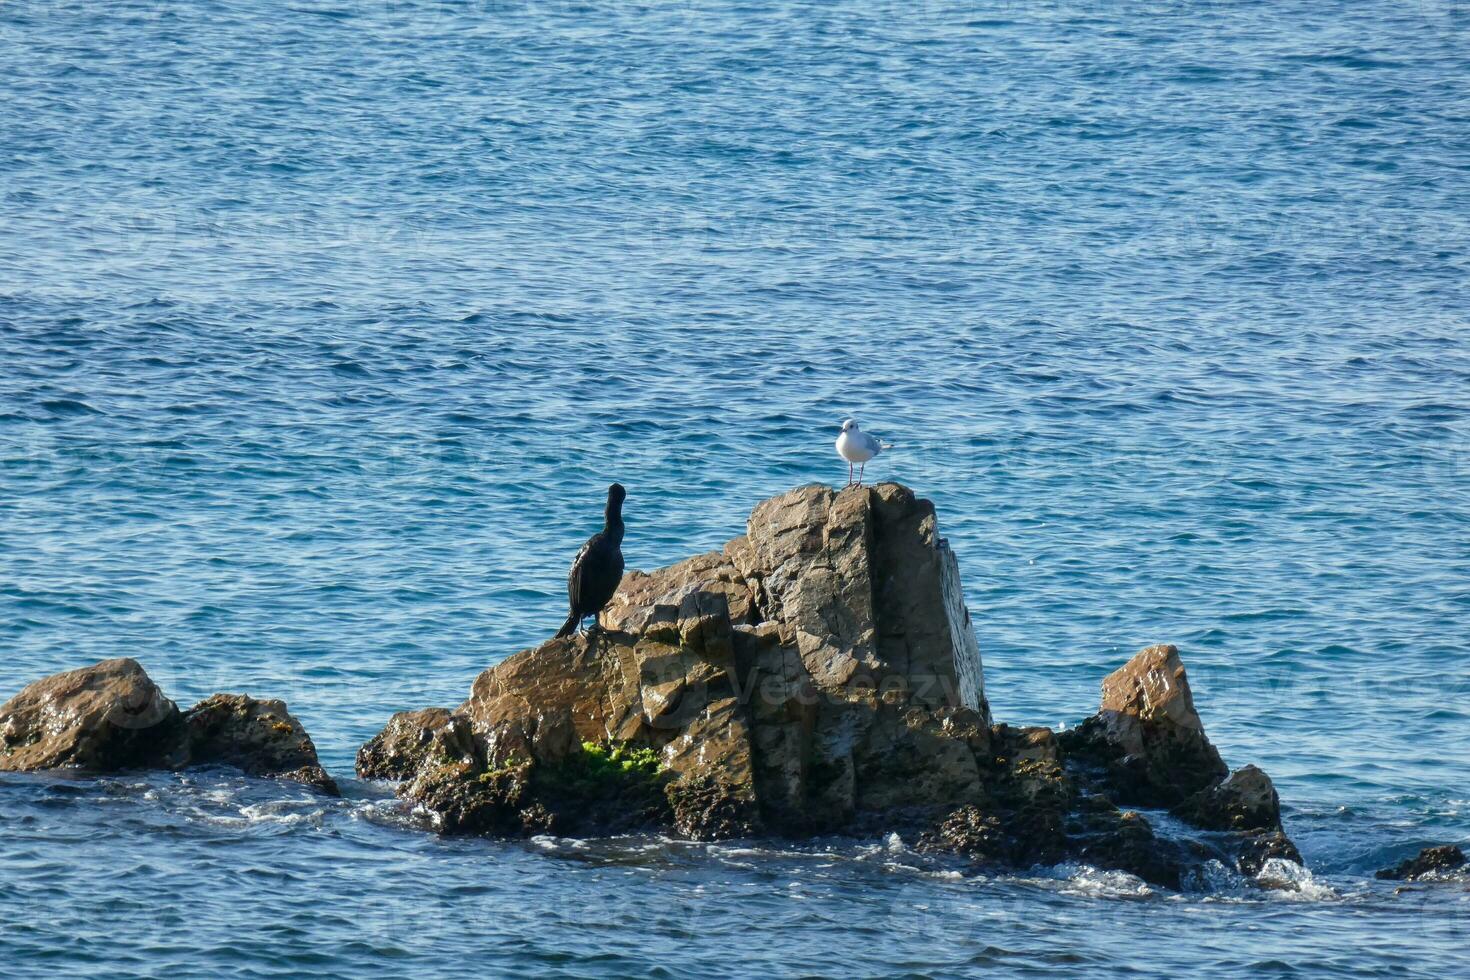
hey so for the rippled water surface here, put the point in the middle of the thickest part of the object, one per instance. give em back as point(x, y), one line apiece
point(323, 325)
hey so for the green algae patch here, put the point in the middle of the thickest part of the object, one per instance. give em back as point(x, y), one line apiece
point(615, 760)
point(617, 787)
point(601, 771)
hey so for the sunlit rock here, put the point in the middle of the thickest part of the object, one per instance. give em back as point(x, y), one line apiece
point(104, 717)
point(111, 716)
point(820, 674)
point(1147, 735)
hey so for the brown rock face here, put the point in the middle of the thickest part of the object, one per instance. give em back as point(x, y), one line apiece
point(1147, 733)
point(111, 716)
point(107, 716)
point(821, 666)
point(668, 691)
point(261, 738)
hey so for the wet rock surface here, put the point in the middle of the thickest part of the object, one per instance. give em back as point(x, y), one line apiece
point(408, 740)
point(1428, 864)
point(261, 738)
point(104, 717)
point(1245, 800)
point(111, 716)
point(1253, 850)
point(820, 674)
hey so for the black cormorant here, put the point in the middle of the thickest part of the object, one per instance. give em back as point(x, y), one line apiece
point(598, 567)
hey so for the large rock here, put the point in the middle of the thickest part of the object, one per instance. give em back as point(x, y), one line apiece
point(817, 674)
point(111, 716)
point(864, 590)
point(818, 668)
point(104, 717)
point(1147, 735)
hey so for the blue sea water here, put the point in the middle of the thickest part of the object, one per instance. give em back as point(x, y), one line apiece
point(324, 324)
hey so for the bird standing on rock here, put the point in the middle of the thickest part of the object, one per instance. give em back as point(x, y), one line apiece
point(856, 446)
point(598, 567)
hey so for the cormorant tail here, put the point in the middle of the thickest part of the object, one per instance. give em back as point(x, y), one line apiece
point(570, 626)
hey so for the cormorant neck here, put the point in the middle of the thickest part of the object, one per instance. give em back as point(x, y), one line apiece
point(612, 519)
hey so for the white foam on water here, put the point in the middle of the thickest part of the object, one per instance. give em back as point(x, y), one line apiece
point(285, 812)
point(1212, 878)
point(1293, 882)
point(1084, 879)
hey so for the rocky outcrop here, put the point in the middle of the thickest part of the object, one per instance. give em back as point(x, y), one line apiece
point(820, 674)
point(1147, 735)
point(820, 668)
point(111, 716)
point(1429, 864)
point(1146, 746)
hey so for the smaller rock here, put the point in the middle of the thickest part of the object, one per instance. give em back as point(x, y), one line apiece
point(972, 832)
point(1246, 800)
point(1123, 840)
point(1430, 863)
point(260, 737)
point(111, 716)
point(1256, 849)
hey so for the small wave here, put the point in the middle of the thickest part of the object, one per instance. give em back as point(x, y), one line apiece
point(1084, 879)
point(69, 406)
point(1293, 881)
point(1214, 878)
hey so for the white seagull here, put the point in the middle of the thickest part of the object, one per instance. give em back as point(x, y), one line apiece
point(856, 446)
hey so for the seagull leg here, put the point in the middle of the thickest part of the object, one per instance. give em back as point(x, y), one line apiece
point(849, 476)
point(861, 468)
